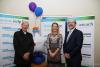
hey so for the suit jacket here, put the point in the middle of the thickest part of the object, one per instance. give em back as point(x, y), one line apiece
point(22, 43)
point(74, 44)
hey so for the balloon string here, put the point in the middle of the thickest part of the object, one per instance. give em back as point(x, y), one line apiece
point(35, 21)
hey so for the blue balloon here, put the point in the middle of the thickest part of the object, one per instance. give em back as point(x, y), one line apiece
point(38, 11)
point(37, 58)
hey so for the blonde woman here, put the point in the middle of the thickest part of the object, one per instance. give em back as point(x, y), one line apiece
point(54, 44)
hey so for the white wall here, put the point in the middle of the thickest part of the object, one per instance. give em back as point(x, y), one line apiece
point(58, 8)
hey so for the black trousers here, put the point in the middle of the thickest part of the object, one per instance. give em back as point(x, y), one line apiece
point(73, 63)
point(23, 65)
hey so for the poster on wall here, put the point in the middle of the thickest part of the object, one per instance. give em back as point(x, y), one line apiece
point(85, 24)
point(8, 25)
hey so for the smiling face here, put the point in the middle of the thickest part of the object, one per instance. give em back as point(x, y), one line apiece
point(71, 24)
point(55, 27)
point(24, 26)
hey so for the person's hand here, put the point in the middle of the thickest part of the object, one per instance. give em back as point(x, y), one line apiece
point(67, 55)
point(26, 56)
point(52, 55)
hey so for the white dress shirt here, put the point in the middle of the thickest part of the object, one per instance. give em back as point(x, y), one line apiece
point(69, 34)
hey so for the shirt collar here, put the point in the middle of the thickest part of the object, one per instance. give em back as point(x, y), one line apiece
point(23, 32)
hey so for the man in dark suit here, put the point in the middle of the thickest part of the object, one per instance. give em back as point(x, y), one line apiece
point(72, 45)
point(23, 46)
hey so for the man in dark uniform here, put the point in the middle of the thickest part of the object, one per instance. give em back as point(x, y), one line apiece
point(23, 46)
point(72, 45)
